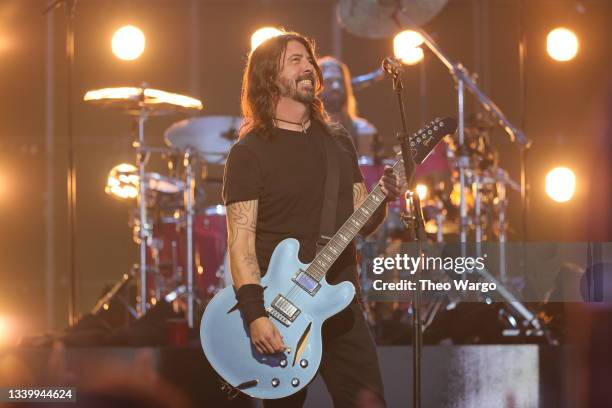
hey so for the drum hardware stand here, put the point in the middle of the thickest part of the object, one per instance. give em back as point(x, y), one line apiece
point(440, 217)
point(189, 211)
point(115, 292)
point(476, 186)
point(143, 229)
point(463, 164)
point(502, 204)
point(414, 224)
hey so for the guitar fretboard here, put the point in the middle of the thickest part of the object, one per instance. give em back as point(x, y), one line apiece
point(349, 230)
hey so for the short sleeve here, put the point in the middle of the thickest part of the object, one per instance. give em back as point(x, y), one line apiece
point(242, 179)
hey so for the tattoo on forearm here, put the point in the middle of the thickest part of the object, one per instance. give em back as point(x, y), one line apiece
point(250, 260)
point(241, 216)
point(360, 192)
point(241, 228)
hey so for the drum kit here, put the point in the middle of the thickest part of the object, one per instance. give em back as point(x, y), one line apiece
point(181, 237)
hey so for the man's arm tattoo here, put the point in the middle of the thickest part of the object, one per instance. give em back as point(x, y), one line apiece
point(241, 228)
point(360, 192)
point(250, 260)
point(241, 216)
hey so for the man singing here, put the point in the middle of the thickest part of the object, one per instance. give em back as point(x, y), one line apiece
point(274, 189)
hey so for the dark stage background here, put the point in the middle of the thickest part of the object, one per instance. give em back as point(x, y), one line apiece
point(198, 48)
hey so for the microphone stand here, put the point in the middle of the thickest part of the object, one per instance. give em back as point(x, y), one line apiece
point(70, 9)
point(413, 221)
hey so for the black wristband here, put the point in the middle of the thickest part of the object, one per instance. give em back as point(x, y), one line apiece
point(251, 302)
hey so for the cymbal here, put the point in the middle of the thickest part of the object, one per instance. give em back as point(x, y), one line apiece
point(210, 136)
point(136, 100)
point(375, 18)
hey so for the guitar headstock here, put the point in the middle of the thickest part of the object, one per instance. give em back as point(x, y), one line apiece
point(423, 141)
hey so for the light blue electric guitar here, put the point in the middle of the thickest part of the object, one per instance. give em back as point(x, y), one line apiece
point(298, 300)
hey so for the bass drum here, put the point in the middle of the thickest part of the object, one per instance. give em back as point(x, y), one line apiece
point(168, 253)
point(210, 244)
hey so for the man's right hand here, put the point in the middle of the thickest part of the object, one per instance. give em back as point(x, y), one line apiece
point(266, 337)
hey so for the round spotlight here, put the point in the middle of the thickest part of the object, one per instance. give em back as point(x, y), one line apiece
point(562, 44)
point(408, 39)
point(406, 47)
point(122, 181)
point(560, 184)
point(412, 56)
point(421, 190)
point(128, 43)
point(262, 35)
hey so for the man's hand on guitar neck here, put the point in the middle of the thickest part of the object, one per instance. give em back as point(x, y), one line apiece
point(266, 337)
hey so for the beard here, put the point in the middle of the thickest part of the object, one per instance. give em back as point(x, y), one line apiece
point(289, 89)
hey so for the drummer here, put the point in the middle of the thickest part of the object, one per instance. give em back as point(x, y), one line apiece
point(340, 104)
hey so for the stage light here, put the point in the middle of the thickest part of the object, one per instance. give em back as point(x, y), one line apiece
point(122, 181)
point(562, 44)
point(408, 39)
point(262, 35)
point(560, 184)
point(421, 190)
point(406, 47)
point(128, 43)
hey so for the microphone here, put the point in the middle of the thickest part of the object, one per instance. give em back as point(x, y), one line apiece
point(392, 66)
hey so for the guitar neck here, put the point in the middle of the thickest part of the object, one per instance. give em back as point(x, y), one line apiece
point(421, 144)
point(349, 230)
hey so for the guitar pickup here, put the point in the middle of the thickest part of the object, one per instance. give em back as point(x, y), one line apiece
point(283, 310)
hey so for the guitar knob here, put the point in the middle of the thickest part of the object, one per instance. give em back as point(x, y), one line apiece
point(303, 363)
point(275, 382)
point(295, 382)
point(283, 363)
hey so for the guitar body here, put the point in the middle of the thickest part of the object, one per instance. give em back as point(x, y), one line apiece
point(225, 336)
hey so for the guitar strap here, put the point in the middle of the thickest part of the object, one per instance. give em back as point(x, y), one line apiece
point(330, 194)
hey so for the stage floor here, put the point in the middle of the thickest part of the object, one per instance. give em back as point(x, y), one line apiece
point(453, 376)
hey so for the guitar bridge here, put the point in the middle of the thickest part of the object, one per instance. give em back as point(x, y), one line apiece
point(283, 310)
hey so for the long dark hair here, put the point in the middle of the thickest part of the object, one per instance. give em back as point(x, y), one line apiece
point(260, 94)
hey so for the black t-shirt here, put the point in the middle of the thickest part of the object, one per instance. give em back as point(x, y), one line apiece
point(286, 173)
